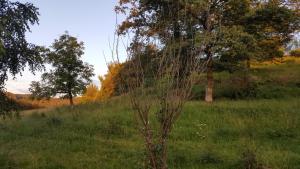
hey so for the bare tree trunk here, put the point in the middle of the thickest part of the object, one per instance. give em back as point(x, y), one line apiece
point(248, 70)
point(209, 55)
point(71, 99)
point(247, 73)
point(210, 80)
point(164, 154)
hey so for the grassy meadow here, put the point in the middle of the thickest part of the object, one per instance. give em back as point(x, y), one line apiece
point(228, 134)
point(105, 136)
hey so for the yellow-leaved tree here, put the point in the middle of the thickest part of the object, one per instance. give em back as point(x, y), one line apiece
point(90, 94)
point(109, 81)
point(109, 85)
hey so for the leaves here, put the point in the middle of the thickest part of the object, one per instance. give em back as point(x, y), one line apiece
point(70, 75)
point(15, 52)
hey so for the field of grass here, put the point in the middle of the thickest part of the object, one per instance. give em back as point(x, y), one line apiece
point(220, 136)
point(229, 134)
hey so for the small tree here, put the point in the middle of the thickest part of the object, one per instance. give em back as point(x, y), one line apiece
point(157, 97)
point(69, 76)
point(163, 62)
point(109, 82)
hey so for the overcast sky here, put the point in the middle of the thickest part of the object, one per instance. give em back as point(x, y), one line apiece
point(91, 21)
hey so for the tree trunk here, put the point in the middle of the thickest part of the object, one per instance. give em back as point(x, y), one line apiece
point(210, 80)
point(247, 74)
point(71, 99)
point(163, 144)
point(209, 55)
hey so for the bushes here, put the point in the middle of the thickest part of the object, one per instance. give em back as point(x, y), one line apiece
point(232, 88)
point(295, 52)
point(255, 91)
point(273, 81)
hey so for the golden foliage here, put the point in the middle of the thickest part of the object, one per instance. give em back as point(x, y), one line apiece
point(109, 81)
point(108, 85)
point(90, 94)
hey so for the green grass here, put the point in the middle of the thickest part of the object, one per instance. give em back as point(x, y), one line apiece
point(105, 136)
point(218, 136)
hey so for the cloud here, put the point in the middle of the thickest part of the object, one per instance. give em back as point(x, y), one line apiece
point(20, 84)
point(18, 87)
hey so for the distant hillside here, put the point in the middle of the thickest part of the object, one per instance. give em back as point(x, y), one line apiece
point(25, 102)
point(17, 96)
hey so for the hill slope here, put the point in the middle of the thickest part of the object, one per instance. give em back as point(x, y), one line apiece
point(104, 136)
point(224, 135)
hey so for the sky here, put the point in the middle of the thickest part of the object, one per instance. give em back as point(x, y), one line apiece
point(91, 21)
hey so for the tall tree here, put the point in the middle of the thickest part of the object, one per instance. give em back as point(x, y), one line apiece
point(258, 28)
point(69, 76)
point(15, 52)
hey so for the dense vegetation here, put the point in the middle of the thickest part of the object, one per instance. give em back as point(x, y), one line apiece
point(276, 78)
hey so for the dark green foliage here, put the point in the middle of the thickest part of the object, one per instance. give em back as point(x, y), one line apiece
point(235, 47)
point(7, 105)
point(69, 76)
point(295, 52)
point(39, 92)
point(15, 52)
point(273, 25)
point(227, 33)
point(277, 81)
point(148, 58)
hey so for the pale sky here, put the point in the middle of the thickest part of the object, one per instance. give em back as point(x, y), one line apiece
point(91, 21)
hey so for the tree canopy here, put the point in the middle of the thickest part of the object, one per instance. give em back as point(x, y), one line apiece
point(225, 33)
point(69, 76)
point(15, 52)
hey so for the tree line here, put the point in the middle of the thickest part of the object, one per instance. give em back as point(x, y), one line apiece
point(232, 34)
